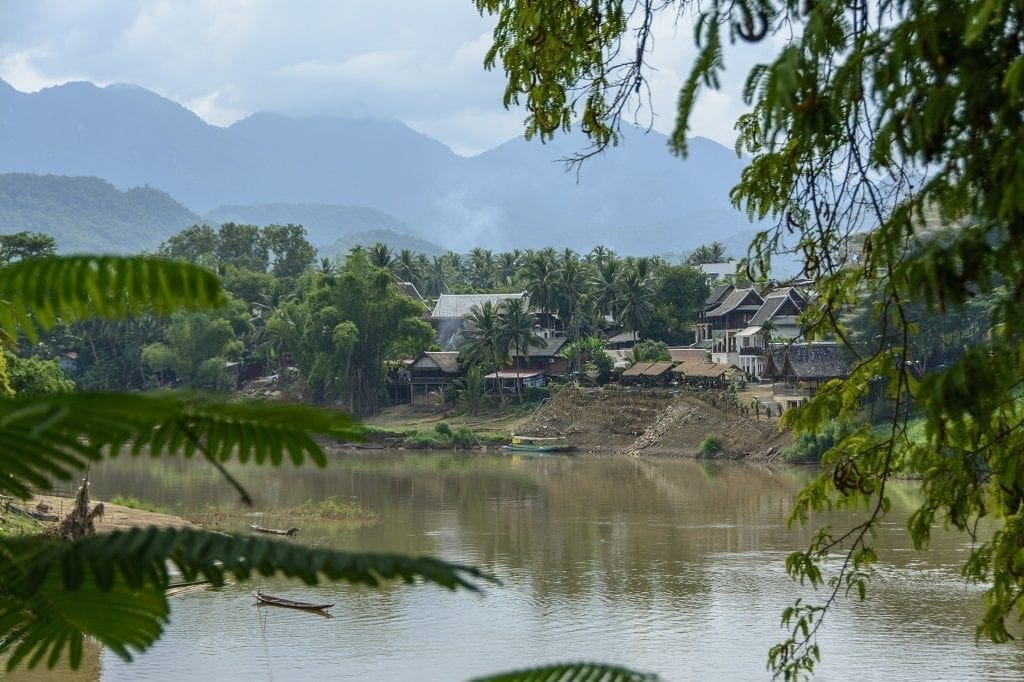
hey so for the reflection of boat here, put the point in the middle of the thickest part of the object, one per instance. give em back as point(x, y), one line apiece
point(288, 603)
point(538, 444)
point(273, 531)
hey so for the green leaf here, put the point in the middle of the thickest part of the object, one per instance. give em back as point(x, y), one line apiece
point(37, 293)
point(571, 672)
point(111, 586)
point(48, 437)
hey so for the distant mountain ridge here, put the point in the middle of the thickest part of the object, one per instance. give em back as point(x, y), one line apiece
point(86, 214)
point(324, 223)
point(636, 198)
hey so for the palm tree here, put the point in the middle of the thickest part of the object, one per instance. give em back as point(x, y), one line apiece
point(381, 255)
point(540, 277)
point(573, 283)
point(481, 265)
point(607, 285)
point(517, 334)
point(483, 343)
point(635, 307)
point(437, 277)
point(599, 255)
point(507, 265)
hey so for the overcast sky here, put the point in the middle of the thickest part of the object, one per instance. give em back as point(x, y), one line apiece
point(416, 60)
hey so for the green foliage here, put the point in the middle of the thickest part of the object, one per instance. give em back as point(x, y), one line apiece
point(135, 503)
point(809, 447)
point(878, 132)
point(111, 586)
point(711, 445)
point(443, 429)
point(572, 672)
point(463, 437)
point(38, 293)
point(22, 245)
point(713, 253)
point(651, 351)
point(535, 394)
point(425, 440)
point(32, 376)
point(471, 389)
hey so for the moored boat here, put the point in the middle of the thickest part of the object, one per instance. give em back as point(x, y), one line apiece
point(273, 531)
point(288, 603)
point(538, 444)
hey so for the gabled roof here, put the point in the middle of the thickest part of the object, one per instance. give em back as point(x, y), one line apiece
point(736, 300)
point(775, 303)
point(717, 294)
point(549, 349)
point(457, 306)
point(410, 290)
point(446, 361)
point(622, 337)
point(699, 368)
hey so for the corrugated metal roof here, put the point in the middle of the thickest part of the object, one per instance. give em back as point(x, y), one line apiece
point(504, 374)
point(456, 306)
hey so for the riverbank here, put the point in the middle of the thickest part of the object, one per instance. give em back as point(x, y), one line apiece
point(115, 516)
point(639, 423)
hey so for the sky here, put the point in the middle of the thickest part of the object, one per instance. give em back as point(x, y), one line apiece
point(420, 61)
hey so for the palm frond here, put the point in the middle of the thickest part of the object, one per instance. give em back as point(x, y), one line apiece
point(36, 293)
point(572, 672)
point(111, 586)
point(43, 438)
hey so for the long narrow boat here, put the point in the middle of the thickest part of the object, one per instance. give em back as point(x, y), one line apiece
point(538, 444)
point(288, 603)
point(273, 531)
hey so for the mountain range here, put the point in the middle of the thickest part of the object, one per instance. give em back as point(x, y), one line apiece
point(635, 198)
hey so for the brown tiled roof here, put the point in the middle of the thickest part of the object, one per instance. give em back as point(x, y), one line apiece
point(700, 368)
point(637, 369)
point(657, 369)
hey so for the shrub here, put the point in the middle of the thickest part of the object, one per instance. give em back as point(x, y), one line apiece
point(711, 444)
point(809, 447)
point(535, 394)
point(136, 503)
point(443, 429)
point(463, 437)
point(424, 440)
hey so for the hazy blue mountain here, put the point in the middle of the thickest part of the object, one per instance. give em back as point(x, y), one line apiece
point(636, 198)
point(396, 240)
point(88, 214)
point(324, 223)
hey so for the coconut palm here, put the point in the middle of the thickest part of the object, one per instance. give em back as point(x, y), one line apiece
point(540, 277)
point(517, 334)
point(483, 342)
point(506, 266)
point(634, 303)
point(437, 280)
point(381, 255)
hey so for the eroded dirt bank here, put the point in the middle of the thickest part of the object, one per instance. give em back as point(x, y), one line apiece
point(653, 424)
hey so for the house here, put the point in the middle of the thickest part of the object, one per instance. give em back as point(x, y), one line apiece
point(702, 327)
point(430, 372)
point(718, 272)
point(621, 341)
point(533, 368)
point(797, 369)
point(775, 319)
point(449, 314)
point(727, 319)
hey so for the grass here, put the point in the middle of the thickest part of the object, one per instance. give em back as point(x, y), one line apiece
point(329, 509)
point(710, 445)
point(136, 503)
point(13, 524)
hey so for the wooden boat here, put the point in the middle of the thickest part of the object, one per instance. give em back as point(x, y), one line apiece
point(288, 603)
point(538, 444)
point(273, 531)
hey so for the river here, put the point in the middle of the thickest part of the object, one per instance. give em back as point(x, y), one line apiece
point(673, 567)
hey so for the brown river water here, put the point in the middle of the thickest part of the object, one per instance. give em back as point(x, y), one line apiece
point(673, 567)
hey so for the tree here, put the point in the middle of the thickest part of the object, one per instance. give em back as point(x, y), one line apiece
point(291, 251)
point(22, 245)
point(634, 303)
point(54, 592)
point(679, 292)
point(242, 246)
point(483, 343)
point(897, 118)
point(713, 253)
point(516, 333)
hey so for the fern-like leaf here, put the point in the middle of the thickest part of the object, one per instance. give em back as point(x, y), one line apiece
point(43, 438)
point(572, 672)
point(36, 293)
point(111, 586)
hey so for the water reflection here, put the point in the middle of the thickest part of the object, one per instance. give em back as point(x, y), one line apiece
point(673, 567)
